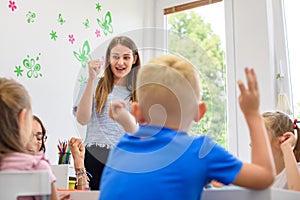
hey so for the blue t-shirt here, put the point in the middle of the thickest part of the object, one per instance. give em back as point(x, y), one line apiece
point(161, 163)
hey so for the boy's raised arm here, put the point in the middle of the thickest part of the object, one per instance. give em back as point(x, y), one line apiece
point(261, 172)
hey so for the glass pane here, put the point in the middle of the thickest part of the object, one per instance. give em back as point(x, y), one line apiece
point(292, 15)
point(199, 36)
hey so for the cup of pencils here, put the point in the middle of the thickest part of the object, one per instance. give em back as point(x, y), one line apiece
point(63, 152)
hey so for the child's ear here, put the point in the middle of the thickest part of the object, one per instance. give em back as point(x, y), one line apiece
point(276, 143)
point(22, 117)
point(23, 125)
point(137, 113)
point(201, 111)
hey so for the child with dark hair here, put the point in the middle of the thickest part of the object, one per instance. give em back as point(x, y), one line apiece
point(39, 131)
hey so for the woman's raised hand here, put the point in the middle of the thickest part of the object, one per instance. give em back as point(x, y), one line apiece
point(94, 68)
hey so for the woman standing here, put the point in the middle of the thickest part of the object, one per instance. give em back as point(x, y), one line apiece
point(122, 62)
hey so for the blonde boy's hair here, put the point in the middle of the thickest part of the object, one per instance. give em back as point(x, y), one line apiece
point(168, 89)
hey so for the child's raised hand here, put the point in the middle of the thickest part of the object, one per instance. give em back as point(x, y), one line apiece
point(94, 68)
point(78, 150)
point(288, 139)
point(249, 98)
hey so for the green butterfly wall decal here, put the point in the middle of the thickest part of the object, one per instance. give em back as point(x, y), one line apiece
point(106, 23)
point(83, 56)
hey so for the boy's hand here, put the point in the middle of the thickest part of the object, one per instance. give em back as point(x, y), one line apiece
point(217, 184)
point(249, 98)
point(117, 109)
point(119, 113)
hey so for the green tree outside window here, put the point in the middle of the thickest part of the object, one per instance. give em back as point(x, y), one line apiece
point(189, 36)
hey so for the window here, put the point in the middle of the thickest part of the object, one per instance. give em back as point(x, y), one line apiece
point(197, 32)
point(291, 10)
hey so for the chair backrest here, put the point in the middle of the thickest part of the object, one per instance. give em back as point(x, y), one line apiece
point(24, 183)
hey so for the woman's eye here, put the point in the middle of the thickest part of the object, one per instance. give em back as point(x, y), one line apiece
point(127, 58)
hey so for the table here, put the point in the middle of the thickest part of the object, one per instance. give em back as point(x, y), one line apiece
point(236, 193)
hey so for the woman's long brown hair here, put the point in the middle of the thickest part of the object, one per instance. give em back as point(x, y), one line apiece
point(106, 83)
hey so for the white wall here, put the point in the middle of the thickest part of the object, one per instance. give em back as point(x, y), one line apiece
point(52, 94)
point(249, 42)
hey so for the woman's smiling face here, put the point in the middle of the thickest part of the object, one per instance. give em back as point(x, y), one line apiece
point(121, 61)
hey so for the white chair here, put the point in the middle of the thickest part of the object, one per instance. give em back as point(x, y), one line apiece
point(24, 183)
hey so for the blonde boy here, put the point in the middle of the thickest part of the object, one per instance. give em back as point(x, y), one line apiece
point(160, 160)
